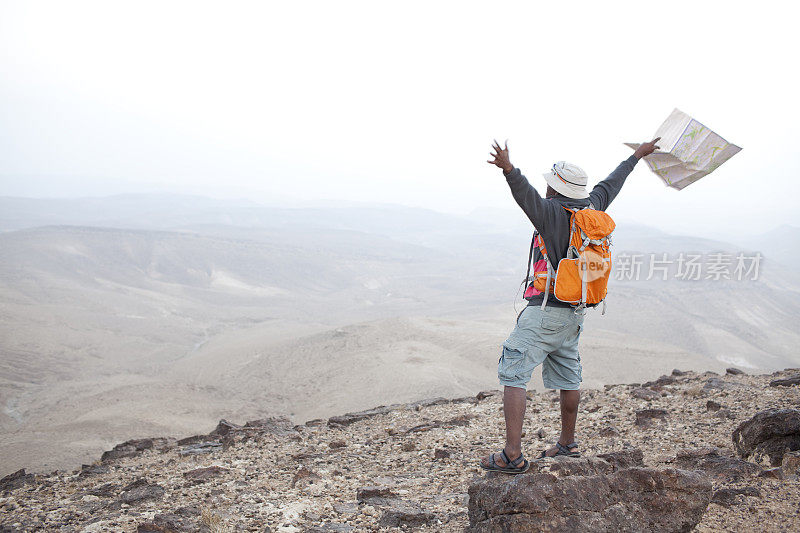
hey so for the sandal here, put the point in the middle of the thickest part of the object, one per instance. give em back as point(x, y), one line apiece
point(511, 466)
point(563, 450)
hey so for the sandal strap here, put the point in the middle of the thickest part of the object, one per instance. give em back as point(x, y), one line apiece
point(509, 462)
point(566, 449)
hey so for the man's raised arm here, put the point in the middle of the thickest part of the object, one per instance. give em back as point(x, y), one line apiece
point(604, 192)
point(524, 194)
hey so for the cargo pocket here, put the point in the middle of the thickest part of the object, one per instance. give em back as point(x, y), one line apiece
point(511, 362)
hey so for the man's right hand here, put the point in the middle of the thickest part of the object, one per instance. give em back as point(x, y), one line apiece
point(500, 157)
point(647, 148)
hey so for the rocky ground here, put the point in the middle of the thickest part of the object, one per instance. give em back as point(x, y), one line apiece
point(411, 465)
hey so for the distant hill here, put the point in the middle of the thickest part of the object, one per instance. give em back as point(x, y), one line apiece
point(203, 310)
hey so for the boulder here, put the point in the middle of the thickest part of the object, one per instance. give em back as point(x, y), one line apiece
point(785, 382)
point(720, 467)
point(273, 425)
point(90, 470)
point(16, 480)
point(224, 427)
point(733, 372)
point(770, 433)
point(132, 448)
point(374, 494)
point(588, 498)
point(418, 406)
point(350, 418)
point(402, 513)
point(183, 519)
point(200, 448)
point(141, 490)
point(711, 405)
point(624, 458)
point(727, 497)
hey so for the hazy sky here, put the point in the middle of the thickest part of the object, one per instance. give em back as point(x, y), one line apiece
point(379, 102)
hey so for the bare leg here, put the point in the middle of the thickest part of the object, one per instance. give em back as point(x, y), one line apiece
point(514, 410)
point(514, 400)
point(569, 416)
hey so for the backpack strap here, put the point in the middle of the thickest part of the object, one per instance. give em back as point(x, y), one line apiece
point(530, 258)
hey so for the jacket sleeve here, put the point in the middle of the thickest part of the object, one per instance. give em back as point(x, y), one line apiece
point(604, 192)
point(529, 199)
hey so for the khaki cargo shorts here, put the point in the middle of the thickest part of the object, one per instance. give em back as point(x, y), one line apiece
point(548, 337)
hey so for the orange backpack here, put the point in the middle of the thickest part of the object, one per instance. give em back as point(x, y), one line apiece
point(581, 278)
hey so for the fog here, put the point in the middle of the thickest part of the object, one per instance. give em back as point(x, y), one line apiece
point(313, 103)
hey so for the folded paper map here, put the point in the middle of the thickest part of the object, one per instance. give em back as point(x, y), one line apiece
point(688, 151)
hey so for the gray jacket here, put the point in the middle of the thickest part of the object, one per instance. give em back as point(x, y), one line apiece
point(552, 221)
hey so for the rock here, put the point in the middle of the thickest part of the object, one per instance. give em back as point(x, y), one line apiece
point(141, 490)
point(417, 406)
point(785, 382)
point(201, 475)
point(716, 383)
point(224, 427)
point(441, 453)
point(608, 431)
point(645, 417)
point(408, 446)
point(466, 399)
point(16, 480)
point(345, 508)
point(183, 519)
point(663, 380)
point(624, 458)
point(540, 433)
point(349, 418)
point(728, 497)
point(733, 371)
point(720, 467)
point(769, 433)
point(632, 499)
point(273, 425)
point(106, 490)
point(724, 413)
point(574, 466)
point(645, 394)
point(305, 477)
point(402, 513)
point(677, 372)
point(790, 465)
point(459, 421)
point(200, 447)
point(374, 494)
point(336, 444)
point(317, 422)
point(772, 473)
point(330, 527)
point(711, 405)
point(487, 394)
point(91, 470)
point(135, 447)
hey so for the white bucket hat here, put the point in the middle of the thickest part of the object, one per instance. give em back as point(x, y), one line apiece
point(568, 179)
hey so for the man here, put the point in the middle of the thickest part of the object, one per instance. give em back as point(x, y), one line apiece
point(549, 335)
